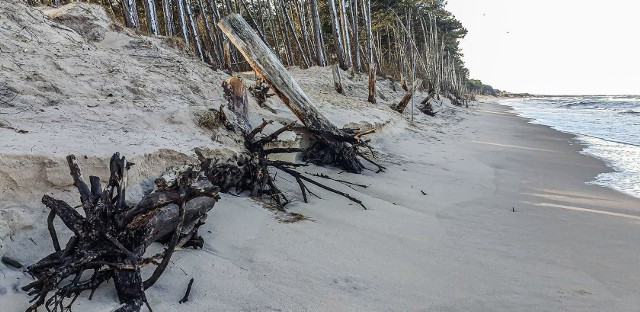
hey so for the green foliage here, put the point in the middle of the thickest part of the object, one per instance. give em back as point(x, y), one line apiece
point(476, 86)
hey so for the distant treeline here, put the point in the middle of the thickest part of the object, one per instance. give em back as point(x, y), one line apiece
point(477, 87)
point(407, 39)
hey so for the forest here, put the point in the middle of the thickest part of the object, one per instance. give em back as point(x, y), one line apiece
point(407, 40)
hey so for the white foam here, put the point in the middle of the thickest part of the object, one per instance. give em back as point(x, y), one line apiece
point(607, 134)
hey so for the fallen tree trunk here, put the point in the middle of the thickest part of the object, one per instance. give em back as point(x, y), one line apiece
point(407, 97)
point(111, 238)
point(338, 147)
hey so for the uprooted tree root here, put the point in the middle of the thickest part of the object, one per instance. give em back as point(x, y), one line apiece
point(110, 240)
point(344, 152)
point(252, 171)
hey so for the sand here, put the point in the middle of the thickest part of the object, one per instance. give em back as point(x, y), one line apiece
point(508, 221)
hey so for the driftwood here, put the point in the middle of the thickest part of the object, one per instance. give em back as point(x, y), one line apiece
point(185, 298)
point(111, 238)
point(400, 107)
point(11, 262)
point(338, 147)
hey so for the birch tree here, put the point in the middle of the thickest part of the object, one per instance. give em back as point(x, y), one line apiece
point(152, 16)
point(338, 37)
point(194, 30)
point(321, 59)
point(168, 17)
point(130, 13)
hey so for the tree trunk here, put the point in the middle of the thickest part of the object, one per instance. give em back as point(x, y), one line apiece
point(372, 83)
point(338, 37)
point(183, 21)
point(303, 30)
point(253, 21)
point(235, 92)
point(284, 36)
point(194, 31)
point(287, 19)
point(344, 25)
point(333, 145)
point(355, 51)
point(152, 16)
point(212, 42)
point(407, 97)
point(219, 37)
point(130, 13)
point(168, 17)
point(321, 59)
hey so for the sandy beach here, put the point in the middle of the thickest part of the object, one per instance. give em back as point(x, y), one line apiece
point(478, 209)
point(567, 247)
point(461, 247)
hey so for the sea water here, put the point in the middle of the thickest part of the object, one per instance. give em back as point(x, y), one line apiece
point(609, 127)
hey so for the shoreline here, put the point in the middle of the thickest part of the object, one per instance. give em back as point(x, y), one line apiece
point(592, 146)
point(578, 145)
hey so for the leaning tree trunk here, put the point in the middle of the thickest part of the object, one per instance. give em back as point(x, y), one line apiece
point(400, 107)
point(333, 146)
point(366, 12)
point(344, 26)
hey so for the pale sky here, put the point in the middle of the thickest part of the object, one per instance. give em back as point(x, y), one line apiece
point(552, 46)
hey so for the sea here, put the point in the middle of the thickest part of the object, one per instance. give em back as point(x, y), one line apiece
point(608, 127)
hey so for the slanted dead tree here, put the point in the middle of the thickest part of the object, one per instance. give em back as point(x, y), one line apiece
point(400, 107)
point(110, 240)
point(427, 107)
point(337, 147)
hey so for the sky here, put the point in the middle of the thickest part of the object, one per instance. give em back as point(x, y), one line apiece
point(552, 46)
